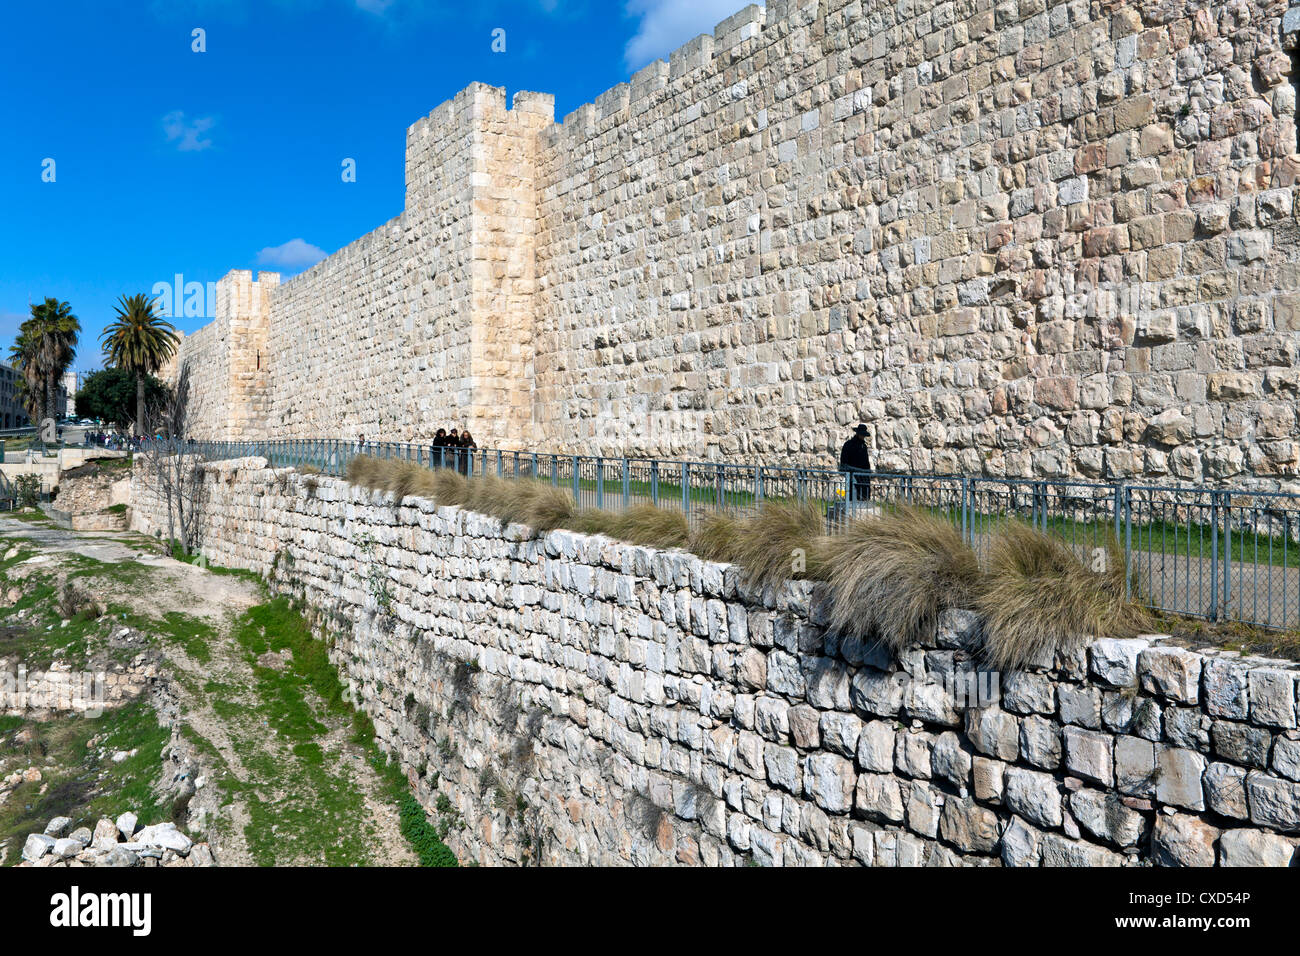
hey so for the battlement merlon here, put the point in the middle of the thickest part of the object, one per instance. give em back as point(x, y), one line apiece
point(241, 296)
point(434, 143)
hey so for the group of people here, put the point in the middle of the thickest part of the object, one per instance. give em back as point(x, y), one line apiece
point(454, 439)
point(454, 448)
point(114, 440)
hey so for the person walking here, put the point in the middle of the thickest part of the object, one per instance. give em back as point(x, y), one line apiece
point(855, 461)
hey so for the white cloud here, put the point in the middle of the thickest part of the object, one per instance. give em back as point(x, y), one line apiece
point(667, 24)
point(187, 134)
point(293, 255)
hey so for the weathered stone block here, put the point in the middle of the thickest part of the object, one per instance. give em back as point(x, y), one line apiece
point(1089, 754)
point(1245, 847)
point(876, 747)
point(1105, 816)
point(994, 732)
point(1034, 796)
point(1182, 840)
point(1171, 672)
point(1273, 697)
point(1178, 777)
point(1273, 803)
point(968, 826)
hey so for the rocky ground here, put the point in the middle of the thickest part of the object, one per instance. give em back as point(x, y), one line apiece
point(117, 842)
point(226, 741)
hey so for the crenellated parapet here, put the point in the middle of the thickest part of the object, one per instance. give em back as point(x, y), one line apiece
point(1055, 239)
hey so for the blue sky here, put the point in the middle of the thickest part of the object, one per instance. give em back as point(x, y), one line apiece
point(169, 161)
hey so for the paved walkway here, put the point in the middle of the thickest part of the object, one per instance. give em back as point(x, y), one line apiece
point(107, 546)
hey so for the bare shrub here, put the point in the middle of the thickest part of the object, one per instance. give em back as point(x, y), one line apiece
point(178, 477)
point(890, 577)
point(72, 601)
point(1038, 598)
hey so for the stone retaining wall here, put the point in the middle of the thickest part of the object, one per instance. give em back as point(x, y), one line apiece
point(572, 699)
point(85, 494)
point(60, 689)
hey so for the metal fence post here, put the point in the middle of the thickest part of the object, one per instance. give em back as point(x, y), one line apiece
point(965, 510)
point(600, 482)
point(1128, 540)
point(1226, 597)
point(577, 496)
point(1214, 555)
point(686, 491)
point(627, 484)
point(758, 484)
point(654, 482)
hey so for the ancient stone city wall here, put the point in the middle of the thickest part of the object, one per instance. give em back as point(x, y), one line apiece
point(570, 699)
point(1048, 237)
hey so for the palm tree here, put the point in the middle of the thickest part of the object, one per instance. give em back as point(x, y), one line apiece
point(140, 341)
point(45, 347)
point(29, 389)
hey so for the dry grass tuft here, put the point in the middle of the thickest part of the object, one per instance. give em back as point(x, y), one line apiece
point(366, 471)
point(592, 521)
point(715, 538)
point(890, 577)
point(767, 544)
point(534, 503)
point(551, 508)
point(1039, 598)
point(403, 479)
point(887, 578)
point(521, 501)
point(651, 526)
point(447, 487)
point(640, 524)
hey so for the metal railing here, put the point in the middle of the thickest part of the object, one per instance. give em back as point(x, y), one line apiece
point(1218, 554)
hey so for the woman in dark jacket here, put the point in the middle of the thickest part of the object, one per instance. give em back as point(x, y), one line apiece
point(467, 445)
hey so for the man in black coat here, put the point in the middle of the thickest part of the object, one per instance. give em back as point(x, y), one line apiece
point(856, 460)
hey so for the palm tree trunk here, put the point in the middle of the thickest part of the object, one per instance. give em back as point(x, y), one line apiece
point(139, 404)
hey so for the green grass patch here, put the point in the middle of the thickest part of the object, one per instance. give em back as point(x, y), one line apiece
point(302, 790)
point(177, 551)
point(81, 784)
point(32, 516)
